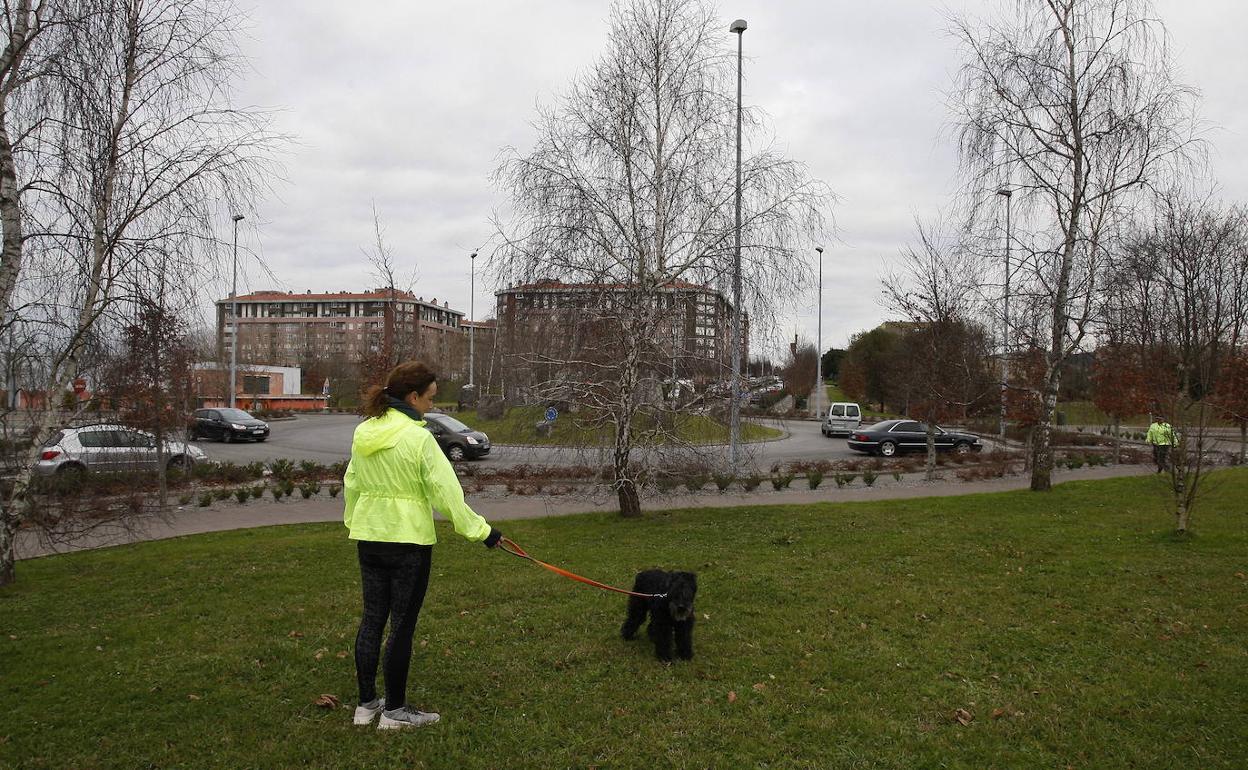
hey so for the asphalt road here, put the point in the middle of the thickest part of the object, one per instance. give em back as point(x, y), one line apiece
point(326, 438)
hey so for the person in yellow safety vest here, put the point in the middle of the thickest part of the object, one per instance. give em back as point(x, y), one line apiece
point(396, 477)
point(1161, 436)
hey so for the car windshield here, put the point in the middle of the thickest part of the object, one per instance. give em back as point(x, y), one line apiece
point(235, 414)
point(450, 423)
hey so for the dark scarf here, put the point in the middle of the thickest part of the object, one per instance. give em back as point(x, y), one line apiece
point(404, 407)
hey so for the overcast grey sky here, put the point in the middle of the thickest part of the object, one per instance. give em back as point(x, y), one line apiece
point(406, 104)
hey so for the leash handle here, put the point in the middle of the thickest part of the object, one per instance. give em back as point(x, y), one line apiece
point(512, 547)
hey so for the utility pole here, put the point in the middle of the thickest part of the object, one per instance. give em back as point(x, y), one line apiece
point(737, 28)
point(234, 316)
point(1005, 315)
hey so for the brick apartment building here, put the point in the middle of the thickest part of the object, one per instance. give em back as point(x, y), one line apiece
point(695, 333)
point(288, 329)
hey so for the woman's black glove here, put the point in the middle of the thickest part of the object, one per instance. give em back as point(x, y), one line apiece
point(493, 538)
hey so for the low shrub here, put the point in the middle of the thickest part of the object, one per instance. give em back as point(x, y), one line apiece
point(310, 468)
point(242, 495)
point(751, 482)
point(334, 489)
point(276, 492)
point(666, 484)
point(205, 500)
point(723, 480)
point(282, 469)
point(814, 478)
point(309, 489)
point(781, 481)
point(223, 494)
point(869, 476)
point(695, 482)
point(257, 491)
point(185, 499)
point(896, 475)
point(844, 479)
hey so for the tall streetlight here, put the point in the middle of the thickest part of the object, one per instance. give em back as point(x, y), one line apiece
point(819, 392)
point(234, 315)
point(737, 28)
point(472, 318)
point(1005, 315)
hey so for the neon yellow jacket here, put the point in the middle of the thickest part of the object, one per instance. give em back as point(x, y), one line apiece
point(396, 477)
point(1160, 433)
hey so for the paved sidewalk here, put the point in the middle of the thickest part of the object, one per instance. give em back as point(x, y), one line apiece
point(227, 515)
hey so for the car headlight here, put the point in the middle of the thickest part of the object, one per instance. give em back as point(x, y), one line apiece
point(236, 426)
point(471, 440)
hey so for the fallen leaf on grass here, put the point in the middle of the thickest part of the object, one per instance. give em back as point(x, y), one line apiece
point(192, 697)
point(327, 702)
point(760, 686)
point(963, 717)
point(342, 654)
point(295, 635)
point(732, 696)
point(1239, 575)
point(998, 713)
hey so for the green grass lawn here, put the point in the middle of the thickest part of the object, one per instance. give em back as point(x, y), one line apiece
point(1086, 413)
point(1072, 627)
point(517, 427)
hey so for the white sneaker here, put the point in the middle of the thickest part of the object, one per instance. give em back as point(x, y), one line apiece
point(365, 712)
point(405, 717)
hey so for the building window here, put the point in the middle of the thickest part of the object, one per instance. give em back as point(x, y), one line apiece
point(255, 383)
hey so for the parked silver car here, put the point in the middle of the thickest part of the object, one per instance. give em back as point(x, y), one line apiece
point(111, 449)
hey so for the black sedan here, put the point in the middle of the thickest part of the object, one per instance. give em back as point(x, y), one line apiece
point(227, 425)
point(892, 436)
point(457, 440)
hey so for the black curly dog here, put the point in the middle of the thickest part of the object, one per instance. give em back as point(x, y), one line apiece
point(670, 617)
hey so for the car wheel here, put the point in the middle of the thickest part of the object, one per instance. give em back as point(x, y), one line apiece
point(455, 452)
point(70, 469)
point(962, 447)
point(177, 463)
point(888, 449)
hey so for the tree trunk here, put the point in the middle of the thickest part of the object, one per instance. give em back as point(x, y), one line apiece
point(1243, 442)
point(1042, 435)
point(630, 501)
point(1117, 440)
point(931, 450)
point(8, 544)
point(1181, 510)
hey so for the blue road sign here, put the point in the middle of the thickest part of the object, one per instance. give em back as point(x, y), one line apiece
point(551, 414)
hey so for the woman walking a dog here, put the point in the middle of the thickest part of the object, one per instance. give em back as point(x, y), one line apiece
point(396, 477)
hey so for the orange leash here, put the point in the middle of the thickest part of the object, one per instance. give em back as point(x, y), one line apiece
point(511, 547)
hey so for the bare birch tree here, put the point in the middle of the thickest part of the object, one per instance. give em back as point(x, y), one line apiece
point(631, 183)
point(1075, 105)
point(141, 144)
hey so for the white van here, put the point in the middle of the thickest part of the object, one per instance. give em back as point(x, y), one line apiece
point(843, 419)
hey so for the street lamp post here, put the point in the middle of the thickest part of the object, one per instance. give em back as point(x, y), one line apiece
point(1005, 314)
point(819, 393)
point(737, 28)
point(472, 318)
point(234, 315)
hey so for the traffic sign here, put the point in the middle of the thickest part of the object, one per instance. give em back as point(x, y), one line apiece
point(551, 414)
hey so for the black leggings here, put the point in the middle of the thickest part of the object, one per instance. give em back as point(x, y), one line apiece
point(395, 577)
